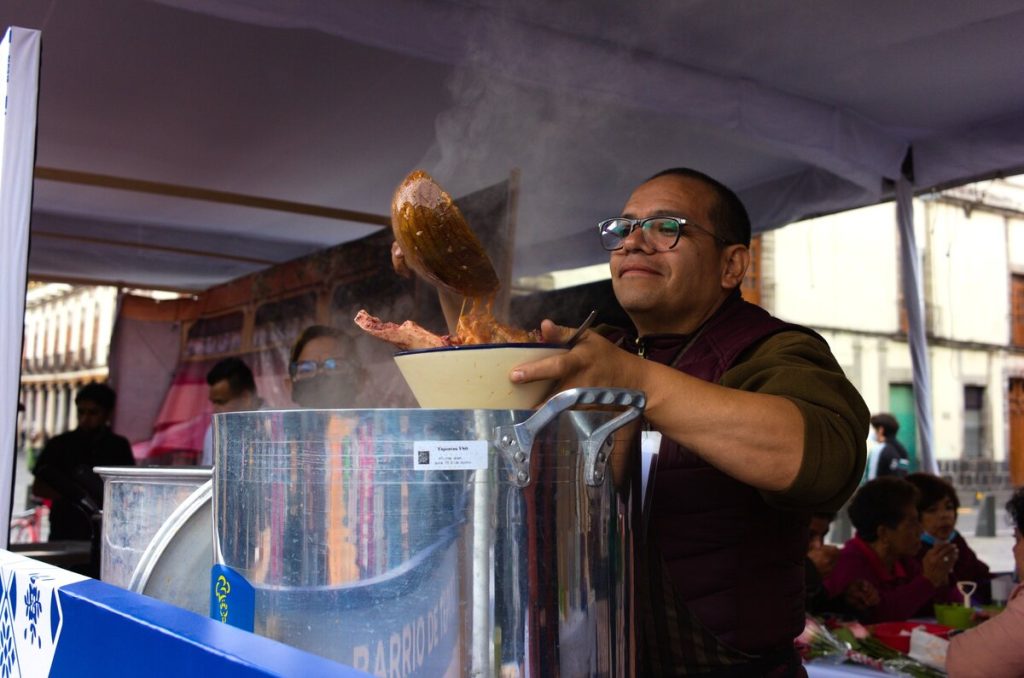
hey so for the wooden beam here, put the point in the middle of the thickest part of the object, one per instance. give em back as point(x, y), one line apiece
point(124, 284)
point(149, 246)
point(207, 195)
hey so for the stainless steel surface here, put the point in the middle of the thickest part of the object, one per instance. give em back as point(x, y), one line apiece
point(192, 475)
point(518, 440)
point(137, 500)
point(66, 553)
point(175, 565)
point(358, 551)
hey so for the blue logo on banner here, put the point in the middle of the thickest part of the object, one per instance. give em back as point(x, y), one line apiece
point(232, 598)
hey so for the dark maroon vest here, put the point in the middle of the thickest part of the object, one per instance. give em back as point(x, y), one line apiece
point(737, 562)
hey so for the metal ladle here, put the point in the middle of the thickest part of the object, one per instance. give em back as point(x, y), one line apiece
point(436, 240)
point(581, 329)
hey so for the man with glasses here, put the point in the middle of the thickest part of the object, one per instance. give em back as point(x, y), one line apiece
point(759, 427)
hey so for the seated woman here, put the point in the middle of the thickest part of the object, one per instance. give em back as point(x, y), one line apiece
point(995, 649)
point(937, 503)
point(821, 558)
point(882, 552)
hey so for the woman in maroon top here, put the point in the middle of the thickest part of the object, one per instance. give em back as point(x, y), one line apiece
point(883, 552)
point(937, 502)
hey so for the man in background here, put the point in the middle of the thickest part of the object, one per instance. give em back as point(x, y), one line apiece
point(888, 457)
point(231, 388)
point(64, 472)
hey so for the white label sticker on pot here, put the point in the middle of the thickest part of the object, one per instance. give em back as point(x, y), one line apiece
point(449, 455)
point(650, 444)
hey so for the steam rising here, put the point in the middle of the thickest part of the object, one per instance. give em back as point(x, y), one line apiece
point(501, 119)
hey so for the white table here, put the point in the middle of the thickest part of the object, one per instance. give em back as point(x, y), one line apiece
point(819, 670)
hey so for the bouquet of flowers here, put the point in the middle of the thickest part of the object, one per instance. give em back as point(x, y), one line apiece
point(853, 643)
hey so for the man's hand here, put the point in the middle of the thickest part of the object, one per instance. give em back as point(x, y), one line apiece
point(593, 361)
point(939, 562)
point(824, 558)
point(398, 261)
point(861, 595)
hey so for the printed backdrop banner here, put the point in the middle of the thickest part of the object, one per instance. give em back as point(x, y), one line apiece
point(162, 351)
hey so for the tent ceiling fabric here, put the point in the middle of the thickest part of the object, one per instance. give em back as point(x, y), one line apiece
point(804, 108)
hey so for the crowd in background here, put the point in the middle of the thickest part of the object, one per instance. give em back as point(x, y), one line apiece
point(907, 561)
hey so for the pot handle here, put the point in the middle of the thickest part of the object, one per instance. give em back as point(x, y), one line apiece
point(517, 440)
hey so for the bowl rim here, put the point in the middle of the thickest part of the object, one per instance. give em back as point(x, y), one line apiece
point(470, 347)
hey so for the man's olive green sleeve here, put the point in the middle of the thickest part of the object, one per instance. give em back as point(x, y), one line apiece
point(801, 367)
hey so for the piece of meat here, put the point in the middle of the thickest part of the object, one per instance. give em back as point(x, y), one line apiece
point(479, 326)
point(408, 336)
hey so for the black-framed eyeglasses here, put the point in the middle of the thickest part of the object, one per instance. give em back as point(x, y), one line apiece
point(660, 233)
point(305, 369)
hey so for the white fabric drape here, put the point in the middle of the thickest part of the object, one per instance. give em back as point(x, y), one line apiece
point(19, 87)
point(913, 299)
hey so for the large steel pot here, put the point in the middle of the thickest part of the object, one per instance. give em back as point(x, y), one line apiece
point(138, 500)
point(432, 542)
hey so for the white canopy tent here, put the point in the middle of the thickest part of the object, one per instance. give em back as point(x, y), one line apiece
point(804, 108)
point(182, 143)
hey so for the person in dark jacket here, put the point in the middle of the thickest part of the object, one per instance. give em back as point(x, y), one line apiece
point(938, 503)
point(758, 428)
point(888, 457)
point(63, 472)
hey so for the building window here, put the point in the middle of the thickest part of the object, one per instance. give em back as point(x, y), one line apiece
point(1017, 309)
point(974, 422)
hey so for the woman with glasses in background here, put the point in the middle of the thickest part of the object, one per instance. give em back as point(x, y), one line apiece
point(320, 373)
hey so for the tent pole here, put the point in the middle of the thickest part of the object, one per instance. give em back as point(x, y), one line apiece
point(913, 300)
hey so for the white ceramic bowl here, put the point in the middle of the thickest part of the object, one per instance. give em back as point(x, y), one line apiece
point(474, 377)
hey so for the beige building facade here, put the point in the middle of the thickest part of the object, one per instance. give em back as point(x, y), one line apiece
point(66, 345)
point(840, 274)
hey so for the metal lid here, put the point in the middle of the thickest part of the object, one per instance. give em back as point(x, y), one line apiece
point(161, 473)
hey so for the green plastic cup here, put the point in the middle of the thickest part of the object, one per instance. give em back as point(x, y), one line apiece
point(955, 616)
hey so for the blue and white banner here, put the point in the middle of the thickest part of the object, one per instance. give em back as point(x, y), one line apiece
point(31, 618)
point(58, 623)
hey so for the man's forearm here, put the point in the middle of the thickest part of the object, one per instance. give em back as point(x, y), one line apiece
point(755, 438)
